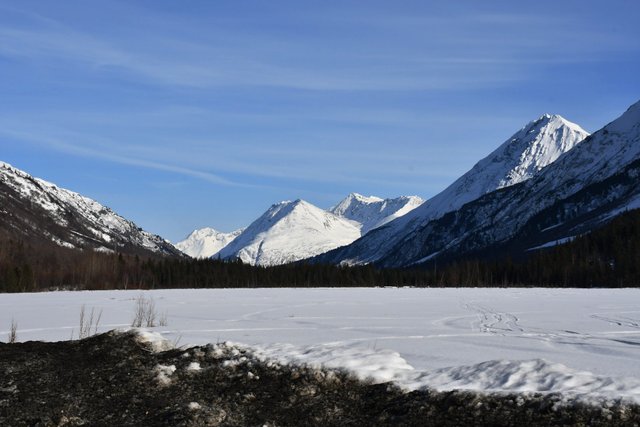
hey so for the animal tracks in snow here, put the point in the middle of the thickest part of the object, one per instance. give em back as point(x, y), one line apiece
point(498, 323)
point(620, 321)
point(494, 322)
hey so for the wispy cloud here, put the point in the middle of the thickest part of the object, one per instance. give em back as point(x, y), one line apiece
point(197, 159)
point(268, 100)
point(106, 154)
point(222, 66)
point(425, 53)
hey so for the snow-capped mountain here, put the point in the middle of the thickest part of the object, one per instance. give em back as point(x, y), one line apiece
point(588, 185)
point(34, 209)
point(536, 145)
point(373, 212)
point(206, 242)
point(290, 231)
point(522, 156)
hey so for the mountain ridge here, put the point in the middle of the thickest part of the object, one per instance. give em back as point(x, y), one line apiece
point(290, 231)
point(528, 151)
point(595, 179)
point(206, 242)
point(357, 211)
point(36, 209)
point(373, 212)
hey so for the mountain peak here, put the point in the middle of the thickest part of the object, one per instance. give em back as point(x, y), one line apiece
point(206, 242)
point(535, 146)
point(372, 211)
point(552, 120)
point(522, 156)
point(634, 107)
point(629, 119)
point(585, 186)
point(290, 231)
point(364, 199)
point(543, 119)
point(286, 207)
point(202, 232)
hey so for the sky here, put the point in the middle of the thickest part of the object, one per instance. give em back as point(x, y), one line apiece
point(180, 115)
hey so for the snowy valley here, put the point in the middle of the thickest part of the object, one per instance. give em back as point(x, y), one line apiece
point(547, 185)
point(582, 343)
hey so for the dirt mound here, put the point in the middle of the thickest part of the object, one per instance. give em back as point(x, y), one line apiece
point(115, 379)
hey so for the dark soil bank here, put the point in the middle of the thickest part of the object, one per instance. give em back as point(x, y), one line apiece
point(115, 380)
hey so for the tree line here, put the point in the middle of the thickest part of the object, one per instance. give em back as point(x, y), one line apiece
point(26, 267)
point(607, 257)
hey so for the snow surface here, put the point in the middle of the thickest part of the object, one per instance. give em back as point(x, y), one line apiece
point(290, 231)
point(373, 212)
point(521, 157)
point(206, 242)
point(584, 343)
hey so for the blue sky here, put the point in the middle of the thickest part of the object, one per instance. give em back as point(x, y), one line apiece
point(180, 115)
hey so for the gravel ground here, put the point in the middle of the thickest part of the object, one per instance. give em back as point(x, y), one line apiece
point(114, 379)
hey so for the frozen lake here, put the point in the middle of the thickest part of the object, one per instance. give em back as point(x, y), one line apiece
point(572, 340)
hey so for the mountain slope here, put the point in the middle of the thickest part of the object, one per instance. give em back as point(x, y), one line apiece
point(206, 242)
point(522, 156)
point(34, 209)
point(290, 231)
point(588, 185)
point(373, 212)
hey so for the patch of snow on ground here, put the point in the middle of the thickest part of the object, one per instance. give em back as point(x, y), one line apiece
point(193, 366)
point(378, 365)
point(154, 340)
point(553, 243)
point(164, 373)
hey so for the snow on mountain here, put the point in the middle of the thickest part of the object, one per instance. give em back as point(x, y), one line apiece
point(206, 242)
point(35, 209)
point(290, 231)
point(536, 145)
point(373, 212)
point(522, 156)
point(582, 188)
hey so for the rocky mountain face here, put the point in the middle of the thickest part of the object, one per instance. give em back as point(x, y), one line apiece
point(36, 210)
point(373, 212)
point(290, 231)
point(589, 184)
point(206, 242)
point(521, 157)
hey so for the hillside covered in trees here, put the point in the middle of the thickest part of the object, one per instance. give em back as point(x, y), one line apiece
point(607, 257)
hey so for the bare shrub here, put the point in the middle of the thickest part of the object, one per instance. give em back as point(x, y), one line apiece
point(163, 319)
point(13, 332)
point(176, 341)
point(150, 314)
point(88, 325)
point(145, 314)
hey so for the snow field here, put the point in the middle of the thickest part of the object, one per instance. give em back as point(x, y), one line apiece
point(583, 343)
